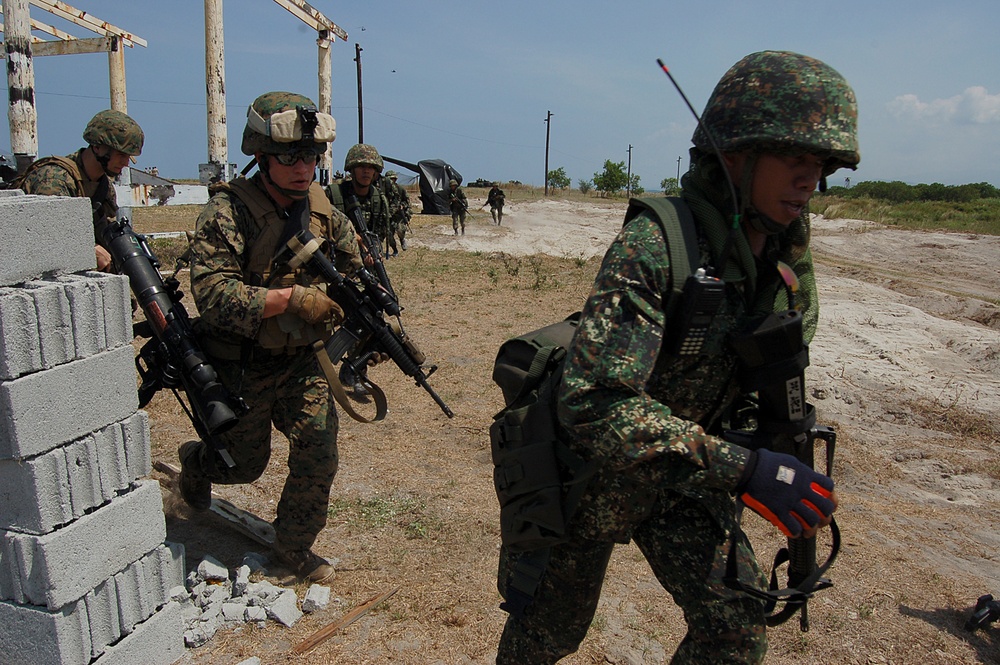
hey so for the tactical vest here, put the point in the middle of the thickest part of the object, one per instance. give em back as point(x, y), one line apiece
point(372, 212)
point(284, 333)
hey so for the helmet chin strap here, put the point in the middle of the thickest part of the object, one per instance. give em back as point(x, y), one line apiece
point(264, 164)
point(757, 221)
point(103, 161)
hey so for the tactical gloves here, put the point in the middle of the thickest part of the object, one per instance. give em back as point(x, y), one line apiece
point(313, 306)
point(785, 492)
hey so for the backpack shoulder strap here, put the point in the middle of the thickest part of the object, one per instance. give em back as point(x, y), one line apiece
point(677, 224)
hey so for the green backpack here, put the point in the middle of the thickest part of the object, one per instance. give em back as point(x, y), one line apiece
point(538, 479)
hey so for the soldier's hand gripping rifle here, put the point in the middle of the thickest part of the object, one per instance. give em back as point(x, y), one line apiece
point(773, 361)
point(171, 357)
point(364, 331)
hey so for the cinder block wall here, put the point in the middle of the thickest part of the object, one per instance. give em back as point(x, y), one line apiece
point(84, 570)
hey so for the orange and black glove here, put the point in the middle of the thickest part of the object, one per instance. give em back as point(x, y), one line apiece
point(786, 492)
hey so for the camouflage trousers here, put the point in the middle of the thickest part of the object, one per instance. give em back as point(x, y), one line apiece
point(458, 218)
point(497, 212)
point(291, 392)
point(687, 549)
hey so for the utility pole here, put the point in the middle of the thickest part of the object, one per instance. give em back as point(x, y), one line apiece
point(21, 112)
point(628, 175)
point(548, 126)
point(361, 108)
point(217, 167)
point(678, 171)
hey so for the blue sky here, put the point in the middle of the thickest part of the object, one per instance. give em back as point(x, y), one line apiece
point(471, 82)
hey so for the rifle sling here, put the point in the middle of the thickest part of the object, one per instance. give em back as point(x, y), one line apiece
point(337, 388)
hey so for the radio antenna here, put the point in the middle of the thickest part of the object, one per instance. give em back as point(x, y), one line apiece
point(727, 249)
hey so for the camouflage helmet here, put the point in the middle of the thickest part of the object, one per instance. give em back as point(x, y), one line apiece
point(115, 130)
point(363, 154)
point(779, 100)
point(391, 175)
point(259, 135)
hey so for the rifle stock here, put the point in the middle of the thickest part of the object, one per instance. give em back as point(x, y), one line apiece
point(171, 357)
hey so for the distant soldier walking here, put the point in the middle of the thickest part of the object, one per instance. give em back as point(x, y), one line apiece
point(459, 206)
point(399, 207)
point(496, 198)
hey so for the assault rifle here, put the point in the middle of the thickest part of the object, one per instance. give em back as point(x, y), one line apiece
point(171, 357)
point(370, 244)
point(773, 361)
point(364, 331)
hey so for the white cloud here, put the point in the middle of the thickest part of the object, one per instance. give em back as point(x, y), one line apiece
point(974, 106)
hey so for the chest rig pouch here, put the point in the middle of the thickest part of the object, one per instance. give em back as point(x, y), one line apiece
point(285, 332)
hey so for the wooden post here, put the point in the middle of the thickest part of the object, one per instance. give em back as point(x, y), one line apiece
point(119, 100)
point(325, 99)
point(21, 112)
point(217, 169)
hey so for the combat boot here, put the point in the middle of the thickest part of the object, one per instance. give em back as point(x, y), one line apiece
point(305, 564)
point(195, 489)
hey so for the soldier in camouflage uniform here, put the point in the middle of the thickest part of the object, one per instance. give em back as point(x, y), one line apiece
point(363, 166)
point(399, 207)
point(458, 204)
point(259, 331)
point(651, 419)
point(496, 199)
point(112, 139)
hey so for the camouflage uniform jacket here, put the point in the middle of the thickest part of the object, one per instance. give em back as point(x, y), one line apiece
point(374, 206)
point(495, 197)
point(644, 411)
point(236, 235)
point(66, 176)
point(457, 201)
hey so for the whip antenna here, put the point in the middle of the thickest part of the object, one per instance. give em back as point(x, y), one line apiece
point(718, 153)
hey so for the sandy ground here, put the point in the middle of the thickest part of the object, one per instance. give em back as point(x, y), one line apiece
point(904, 367)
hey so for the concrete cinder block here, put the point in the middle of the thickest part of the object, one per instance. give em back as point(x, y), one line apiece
point(116, 296)
point(44, 234)
point(163, 570)
point(33, 635)
point(35, 494)
point(159, 640)
point(133, 603)
point(103, 616)
point(39, 494)
point(60, 567)
point(20, 347)
point(84, 474)
point(46, 409)
point(55, 322)
point(111, 462)
point(138, 457)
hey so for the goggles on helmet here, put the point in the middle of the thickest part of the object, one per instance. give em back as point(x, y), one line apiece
point(292, 158)
point(303, 123)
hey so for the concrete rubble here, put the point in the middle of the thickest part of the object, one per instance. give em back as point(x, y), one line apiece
point(220, 598)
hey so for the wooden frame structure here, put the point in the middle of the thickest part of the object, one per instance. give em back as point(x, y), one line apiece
point(20, 46)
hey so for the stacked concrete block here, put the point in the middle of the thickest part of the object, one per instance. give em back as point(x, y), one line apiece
point(85, 575)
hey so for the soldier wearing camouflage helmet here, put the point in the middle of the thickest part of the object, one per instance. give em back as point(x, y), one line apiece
point(259, 329)
point(458, 204)
point(113, 139)
point(362, 166)
point(399, 210)
point(651, 419)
